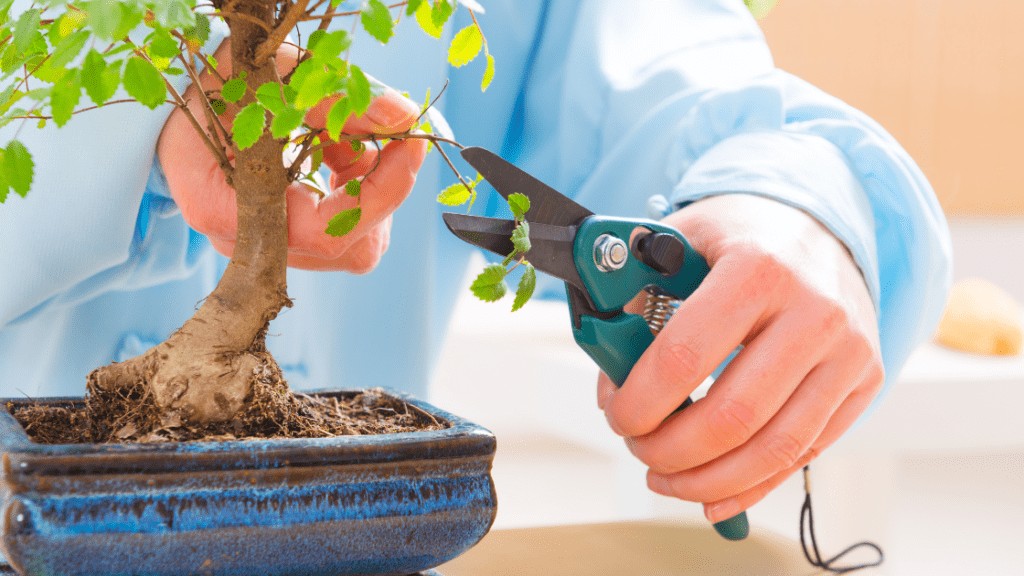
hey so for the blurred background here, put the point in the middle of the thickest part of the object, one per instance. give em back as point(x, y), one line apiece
point(936, 474)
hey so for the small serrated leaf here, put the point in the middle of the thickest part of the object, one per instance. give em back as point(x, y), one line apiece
point(233, 90)
point(441, 11)
point(519, 203)
point(143, 82)
point(336, 118)
point(454, 195)
point(25, 29)
point(18, 167)
point(376, 19)
point(426, 21)
point(521, 237)
point(465, 46)
point(353, 187)
point(286, 120)
point(524, 291)
point(359, 94)
point(99, 79)
point(218, 105)
point(411, 6)
point(485, 82)
point(248, 125)
point(343, 222)
point(489, 285)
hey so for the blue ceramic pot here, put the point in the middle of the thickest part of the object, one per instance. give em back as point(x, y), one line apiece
point(384, 504)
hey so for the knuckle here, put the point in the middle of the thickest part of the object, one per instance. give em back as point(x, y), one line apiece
point(677, 360)
point(832, 317)
point(626, 421)
point(656, 458)
point(730, 423)
point(782, 450)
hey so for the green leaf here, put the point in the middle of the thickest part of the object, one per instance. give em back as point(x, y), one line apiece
point(64, 97)
point(67, 49)
point(25, 30)
point(521, 237)
point(353, 187)
point(343, 222)
point(248, 125)
point(143, 82)
point(441, 11)
point(270, 95)
point(490, 285)
point(358, 90)
point(18, 168)
point(524, 291)
point(163, 44)
point(317, 85)
point(218, 105)
point(327, 46)
point(426, 22)
point(488, 74)
point(104, 17)
point(376, 19)
point(99, 79)
point(466, 44)
point(285, 121)
point(411, 6)
point(336, 118)
point(454, 195)
point(199, 33)
point(233, 90)
point(519, 204)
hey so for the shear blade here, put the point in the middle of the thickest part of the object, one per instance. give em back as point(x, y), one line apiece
point(551, 246)
point(547, 205)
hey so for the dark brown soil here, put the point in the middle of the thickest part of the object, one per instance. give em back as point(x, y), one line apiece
point(273, 411)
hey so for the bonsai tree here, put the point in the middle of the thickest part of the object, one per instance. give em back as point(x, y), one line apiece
point(60, 59)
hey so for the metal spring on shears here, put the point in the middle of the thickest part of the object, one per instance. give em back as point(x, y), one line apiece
point(659, 309)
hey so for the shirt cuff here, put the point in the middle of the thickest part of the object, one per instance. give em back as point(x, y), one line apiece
point(800, 170)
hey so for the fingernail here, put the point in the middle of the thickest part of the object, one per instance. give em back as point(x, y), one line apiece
point(659, 485)
point(722, 510)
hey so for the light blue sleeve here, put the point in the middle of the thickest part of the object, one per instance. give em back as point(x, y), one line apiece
point(682, 99)
point(98, 217)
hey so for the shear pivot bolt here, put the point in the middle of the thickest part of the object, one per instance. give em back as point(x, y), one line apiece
point(610, 253)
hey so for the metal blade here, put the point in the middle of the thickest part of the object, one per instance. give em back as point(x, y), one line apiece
point(550, 246)
point(547, 205)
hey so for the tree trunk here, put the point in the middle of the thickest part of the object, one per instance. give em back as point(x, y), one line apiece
point(206, 368)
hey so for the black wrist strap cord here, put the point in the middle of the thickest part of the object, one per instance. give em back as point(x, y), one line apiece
point(812, 553)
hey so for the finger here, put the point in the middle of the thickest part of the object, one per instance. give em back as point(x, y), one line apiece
point(382, 191)
point(605, 389)
point(388, 113)
point(751, 390)
point(720, 315)
point(848, 413)
point(362, 257)
point(346, 163)
point(776, 447)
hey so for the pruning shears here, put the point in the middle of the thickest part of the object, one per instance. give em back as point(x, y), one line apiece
point(604, 261)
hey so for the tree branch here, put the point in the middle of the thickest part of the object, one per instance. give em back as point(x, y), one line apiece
point(213, 122)
point(274, 39)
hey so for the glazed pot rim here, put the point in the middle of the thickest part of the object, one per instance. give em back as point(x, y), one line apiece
point(461, 438)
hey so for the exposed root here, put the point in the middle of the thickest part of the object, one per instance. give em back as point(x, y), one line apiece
point(131, 414)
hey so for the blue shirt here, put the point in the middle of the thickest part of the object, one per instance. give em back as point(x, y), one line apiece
point(610, 102)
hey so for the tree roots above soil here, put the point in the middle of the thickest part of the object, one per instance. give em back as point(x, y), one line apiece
point(272, 411)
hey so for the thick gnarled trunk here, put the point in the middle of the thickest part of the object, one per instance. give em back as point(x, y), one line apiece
point(205, 370)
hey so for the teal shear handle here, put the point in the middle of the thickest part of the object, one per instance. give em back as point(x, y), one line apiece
point(617, 342)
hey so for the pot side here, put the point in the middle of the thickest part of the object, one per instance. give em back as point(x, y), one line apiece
point(369, 505)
